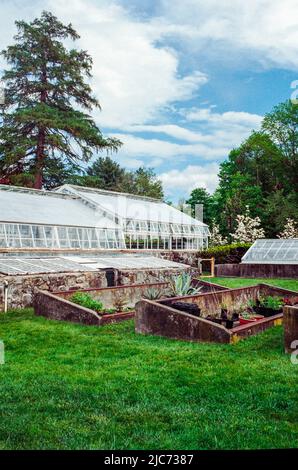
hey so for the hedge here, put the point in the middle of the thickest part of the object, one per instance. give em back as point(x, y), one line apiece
point(226, 253)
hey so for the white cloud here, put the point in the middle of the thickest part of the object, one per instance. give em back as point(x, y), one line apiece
point(134, 79)
point(229, 117)
point(191, 177)
point(265, 30)
point(165, 150)
point(222, 132)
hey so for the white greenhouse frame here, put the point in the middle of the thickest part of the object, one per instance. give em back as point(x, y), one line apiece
point(15, 235)
point(272, 251)
point(81, 218)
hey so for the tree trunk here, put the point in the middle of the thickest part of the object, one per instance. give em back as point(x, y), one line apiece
point(39, 159)
point(40, 151)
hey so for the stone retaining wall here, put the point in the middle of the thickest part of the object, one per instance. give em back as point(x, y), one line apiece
point(21, 288)
point(127, 277)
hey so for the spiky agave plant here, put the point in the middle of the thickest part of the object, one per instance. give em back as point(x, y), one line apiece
point(181, 285)
point(152, 294)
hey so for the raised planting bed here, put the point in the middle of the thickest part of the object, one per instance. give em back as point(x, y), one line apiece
point(220, 318)
point(56, 308)
point(99, 305)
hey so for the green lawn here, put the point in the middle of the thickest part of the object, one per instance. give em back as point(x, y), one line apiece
point(67, 386)
point(234, 282)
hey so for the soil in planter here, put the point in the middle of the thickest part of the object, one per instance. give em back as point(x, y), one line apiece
point(190, 308)
point(267, 312)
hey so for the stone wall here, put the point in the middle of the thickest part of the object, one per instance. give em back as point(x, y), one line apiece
point(146, 276)
point(21, 288)
point(186, 257)
point(257, 270)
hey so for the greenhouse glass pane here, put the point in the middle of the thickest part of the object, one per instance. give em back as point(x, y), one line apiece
point(270, 251)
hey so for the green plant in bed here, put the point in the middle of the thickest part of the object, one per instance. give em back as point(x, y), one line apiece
point(275, 303)
point(85, 300)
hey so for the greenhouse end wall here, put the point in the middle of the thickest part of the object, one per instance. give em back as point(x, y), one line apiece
point(257, 270)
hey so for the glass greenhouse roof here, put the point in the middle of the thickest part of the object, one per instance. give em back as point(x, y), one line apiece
point(21, 265)
point(128, 206)
point(128, 262)
point(45, 207)
point(272, 251)
point(40, 265)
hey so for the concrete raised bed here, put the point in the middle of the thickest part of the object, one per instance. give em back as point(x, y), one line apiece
point(160, 318)
point(58, 306)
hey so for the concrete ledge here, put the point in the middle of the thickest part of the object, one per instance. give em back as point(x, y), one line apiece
point(253, 328)
point(290, 328)
point(49, 306)
point(161, 320)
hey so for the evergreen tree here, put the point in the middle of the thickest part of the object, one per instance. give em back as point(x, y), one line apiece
point(45, 120)
point(107, 173)
point(145, 183)
point(201, 196)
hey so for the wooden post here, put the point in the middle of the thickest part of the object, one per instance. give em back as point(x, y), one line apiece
point(212, 266)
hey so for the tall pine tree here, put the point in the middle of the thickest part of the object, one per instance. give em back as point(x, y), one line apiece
point(47, 98)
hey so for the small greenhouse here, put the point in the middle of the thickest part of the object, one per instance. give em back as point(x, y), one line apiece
point(272, 251)
point(73, 217)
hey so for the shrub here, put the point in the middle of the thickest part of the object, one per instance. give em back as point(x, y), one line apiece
point(85, 300)
point(226, 253)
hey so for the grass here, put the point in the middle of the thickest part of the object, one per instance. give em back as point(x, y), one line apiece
point(67, 386)
point(234, 282)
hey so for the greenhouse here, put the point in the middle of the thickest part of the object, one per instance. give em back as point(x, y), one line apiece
point(73, 217)
point(272, 251)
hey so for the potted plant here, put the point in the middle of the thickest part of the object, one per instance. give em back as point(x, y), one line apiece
point(248, 317)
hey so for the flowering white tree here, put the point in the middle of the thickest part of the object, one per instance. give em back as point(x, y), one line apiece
point(248, 229)
point(216, 238)
point(290, 229)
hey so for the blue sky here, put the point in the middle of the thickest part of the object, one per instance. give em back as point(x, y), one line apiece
point(180, 83)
